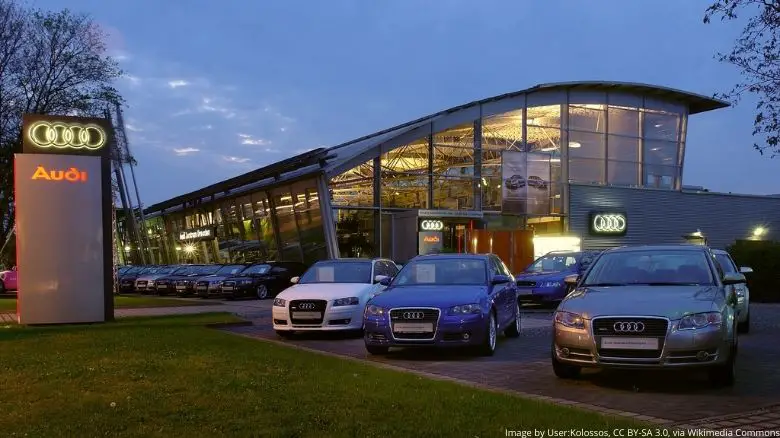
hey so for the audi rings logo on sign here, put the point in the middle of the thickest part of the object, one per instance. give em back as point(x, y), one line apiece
point(414, 315)
point(66, 135)
point(608, 223)
point(431, 225)
point(628, 327)
point(306, 306)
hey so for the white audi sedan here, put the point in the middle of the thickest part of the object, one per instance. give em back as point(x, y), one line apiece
point(330, 296)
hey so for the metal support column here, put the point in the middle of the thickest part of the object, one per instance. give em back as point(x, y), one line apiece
point(328, 224)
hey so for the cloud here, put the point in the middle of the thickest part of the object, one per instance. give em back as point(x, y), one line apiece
point(185, 151)
point(235, 159)
point(133, 128)
point(176, 83)
point(250, 140)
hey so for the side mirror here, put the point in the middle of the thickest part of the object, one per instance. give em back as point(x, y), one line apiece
point(385, 281)
point(295, 280)
point(501, 279)
point(379, 278)
point(571, 280)
point(743, 270)
point(733, 278)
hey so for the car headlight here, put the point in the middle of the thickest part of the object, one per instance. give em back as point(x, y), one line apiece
point(740, 291)
point(151, 283)
point(551, 284)
point(700, 320)
point(568, 319)
point(372, 310)
point(280, 302)
point(349, 301)
point(465, 309)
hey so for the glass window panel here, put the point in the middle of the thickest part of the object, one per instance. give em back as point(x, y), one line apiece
point(309, 219)
point(354, 187)
point(288, 230)
point(491, 192)
point(453, 193)
point(264, 226)
point(661, 177)
point(587, 97)
point(660, 152)
point(499, 133)
point(245, 207)
point(660, 126)
point(556, 201)
point(547, 115)
point(355, 232)
point(623, 121)
point(586, 145)
point(622, 148)
point(625, 100)
point(404, 190)
point(544, 139)
point(586, 170)
point(623, 173)
point(453, 151)
point(412, 158)
point(587, 118)
point(664, 105)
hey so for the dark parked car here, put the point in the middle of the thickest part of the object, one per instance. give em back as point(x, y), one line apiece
point(209, 285)
point(262, 280)
point(128, 276)
point(542, 281)
point(167, 284)
point(452, 300)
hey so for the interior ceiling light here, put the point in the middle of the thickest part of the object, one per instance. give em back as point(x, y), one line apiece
point(574, 144)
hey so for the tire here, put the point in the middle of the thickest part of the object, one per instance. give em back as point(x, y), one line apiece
point(377, 350)
point(488, 347)
point(564, 371)
point(742, 327)
point(514, 330)
point(724, 375)
point(285, 334)
point(262, 292)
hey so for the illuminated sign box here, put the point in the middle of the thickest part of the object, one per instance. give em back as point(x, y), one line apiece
point(196, 234)
point(431, 225)
point(607, 223)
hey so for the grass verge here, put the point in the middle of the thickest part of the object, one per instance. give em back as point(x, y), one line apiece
point(8, 304)
point(170, 376)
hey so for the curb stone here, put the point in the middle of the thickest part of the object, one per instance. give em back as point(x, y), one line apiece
point(439, 377)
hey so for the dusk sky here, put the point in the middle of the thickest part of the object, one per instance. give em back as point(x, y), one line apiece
point(218, 88)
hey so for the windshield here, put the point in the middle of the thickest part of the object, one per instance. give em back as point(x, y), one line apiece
point(207, 270)
point(654, 267)
point(256, 269)
point(188, 270)
point(168, 270)
point(449, 271)
point(338, 272)
point(230, 270)
point(554, 262)
point(726, 263)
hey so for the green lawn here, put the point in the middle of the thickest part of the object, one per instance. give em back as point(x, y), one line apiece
point(8, 304)
point(171, 376)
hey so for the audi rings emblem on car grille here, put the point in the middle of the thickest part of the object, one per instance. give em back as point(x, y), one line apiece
point(629, 327)
point(414, 315)
point(609, 223)
point(67, 136)
point(431, 225)
point(306, 306)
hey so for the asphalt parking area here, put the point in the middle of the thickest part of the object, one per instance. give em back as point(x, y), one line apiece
point(523, 364)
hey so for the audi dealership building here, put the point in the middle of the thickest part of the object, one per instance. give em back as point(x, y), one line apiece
point(585, 165)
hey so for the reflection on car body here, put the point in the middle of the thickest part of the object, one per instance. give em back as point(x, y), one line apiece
point(649, 307)
point(742, 291)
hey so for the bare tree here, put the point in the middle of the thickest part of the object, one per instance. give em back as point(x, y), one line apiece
point(756, 53)
point(50, 63)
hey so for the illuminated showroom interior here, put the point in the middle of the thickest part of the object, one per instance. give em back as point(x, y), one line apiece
point(607, 147)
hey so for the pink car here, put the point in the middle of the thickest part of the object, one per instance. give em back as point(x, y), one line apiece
point(8, 280)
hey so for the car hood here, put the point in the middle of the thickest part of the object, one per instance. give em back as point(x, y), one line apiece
point(212, 277)
point(326, 291)
point(429, 296)
point(180, 277)
point(542, 276)
point(666, 301)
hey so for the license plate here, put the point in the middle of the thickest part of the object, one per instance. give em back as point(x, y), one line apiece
point(202, 288)
point(162, 286)
point(630, 343)
point(227, 287)
point(307, 315)
point(413, 327)
point(180, 287)
point(525, 292)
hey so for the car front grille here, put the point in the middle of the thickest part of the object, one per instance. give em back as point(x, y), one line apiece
point(140, 283)
point(629, 327)
point(526, 283)
point(310, 307)
point(413, 315)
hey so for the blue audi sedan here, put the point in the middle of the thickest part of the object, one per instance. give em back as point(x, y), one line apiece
point(444, 300)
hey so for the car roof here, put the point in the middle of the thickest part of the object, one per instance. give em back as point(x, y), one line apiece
point(720, 251)
point(669, 247)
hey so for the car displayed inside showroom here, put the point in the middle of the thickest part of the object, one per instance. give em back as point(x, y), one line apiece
point(565, 166)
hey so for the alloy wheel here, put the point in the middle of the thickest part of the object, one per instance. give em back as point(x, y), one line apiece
point(262, 292)
point(518, 322)
point(492, 332)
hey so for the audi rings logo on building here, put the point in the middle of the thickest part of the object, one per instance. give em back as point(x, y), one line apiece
point(306, 306)
point(431, 225)
point(629, 327)
point(67, 135)
point(609, 223)
point(414, 315)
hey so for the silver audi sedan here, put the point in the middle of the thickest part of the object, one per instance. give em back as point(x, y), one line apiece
point(651, 307)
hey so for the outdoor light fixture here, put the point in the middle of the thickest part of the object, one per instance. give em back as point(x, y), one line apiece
point(178, 248)
point(574, 144)
point(759, 232)
point(189, 249)
point(127, 248)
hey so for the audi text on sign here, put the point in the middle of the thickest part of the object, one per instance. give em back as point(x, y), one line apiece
point(431, 225)
point(66, 135)
point(608, 223)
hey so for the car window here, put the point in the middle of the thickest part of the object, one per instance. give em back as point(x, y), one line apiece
point(726, 263)
point(553, 263)
point(393, 268)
